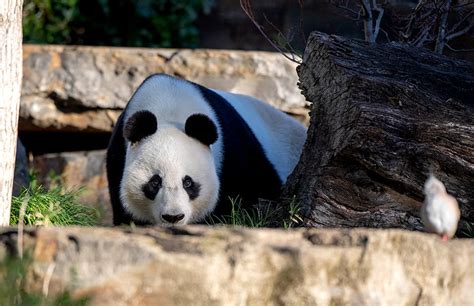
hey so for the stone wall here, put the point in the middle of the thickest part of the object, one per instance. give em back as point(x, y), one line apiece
point(84, 89)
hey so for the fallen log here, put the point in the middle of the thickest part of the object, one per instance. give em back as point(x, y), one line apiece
point(382, 118)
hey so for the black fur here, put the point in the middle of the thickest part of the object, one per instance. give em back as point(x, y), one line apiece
point(246, 172)
point(151, 188)
point(115, 165)
point(140, 125)
point(200, 127)
point(193, 190)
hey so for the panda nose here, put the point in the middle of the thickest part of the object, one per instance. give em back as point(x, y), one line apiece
point(172, 218)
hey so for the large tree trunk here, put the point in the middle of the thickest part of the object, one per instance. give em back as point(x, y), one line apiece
point(10, 86)
point(383, 118)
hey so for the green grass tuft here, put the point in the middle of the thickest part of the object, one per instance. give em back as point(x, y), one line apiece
point(261, 216)
point(242, 217)
point(294, 215)
point(53, 206)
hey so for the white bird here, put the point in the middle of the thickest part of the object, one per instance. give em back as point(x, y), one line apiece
point(440, 211)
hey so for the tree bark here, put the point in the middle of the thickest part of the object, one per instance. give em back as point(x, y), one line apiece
point(383, 117)
point(10, 86)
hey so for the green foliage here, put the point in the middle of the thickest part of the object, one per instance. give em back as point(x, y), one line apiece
point(242, 217)
point(150, 23)
point(53, 206)
point(13, 284)
point(294, 217)
point(49, 21)
point(257, 217)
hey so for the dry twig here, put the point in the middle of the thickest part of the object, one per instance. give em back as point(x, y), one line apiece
point(287, 51)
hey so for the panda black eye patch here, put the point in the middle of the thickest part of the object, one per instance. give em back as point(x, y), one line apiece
point(151, 188)
point(192, 188)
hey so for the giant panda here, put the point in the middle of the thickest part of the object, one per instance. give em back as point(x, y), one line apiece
point(180, 151)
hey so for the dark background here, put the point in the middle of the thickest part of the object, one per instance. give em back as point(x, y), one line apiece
point(218, 24)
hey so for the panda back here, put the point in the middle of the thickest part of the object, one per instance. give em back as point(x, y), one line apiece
point(281, 137)
point(246, 171)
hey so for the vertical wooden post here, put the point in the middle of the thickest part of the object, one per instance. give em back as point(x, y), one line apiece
point(10, 87)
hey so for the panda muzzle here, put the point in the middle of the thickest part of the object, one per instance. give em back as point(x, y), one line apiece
point(172, 218)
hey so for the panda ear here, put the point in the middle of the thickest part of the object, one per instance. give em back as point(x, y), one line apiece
point(201, 127)
point(140, 125)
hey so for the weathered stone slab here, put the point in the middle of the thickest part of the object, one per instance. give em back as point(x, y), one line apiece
point(72, 88)
point(235, 266)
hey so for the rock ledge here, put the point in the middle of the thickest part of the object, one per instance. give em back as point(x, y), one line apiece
point(202, 265)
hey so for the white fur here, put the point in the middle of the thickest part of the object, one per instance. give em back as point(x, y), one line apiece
point(193, 159)
point(173, 101)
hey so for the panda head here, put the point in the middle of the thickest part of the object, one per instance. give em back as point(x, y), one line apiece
point(169, 175)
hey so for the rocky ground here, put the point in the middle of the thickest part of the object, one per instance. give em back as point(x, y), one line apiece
point(199, 265)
